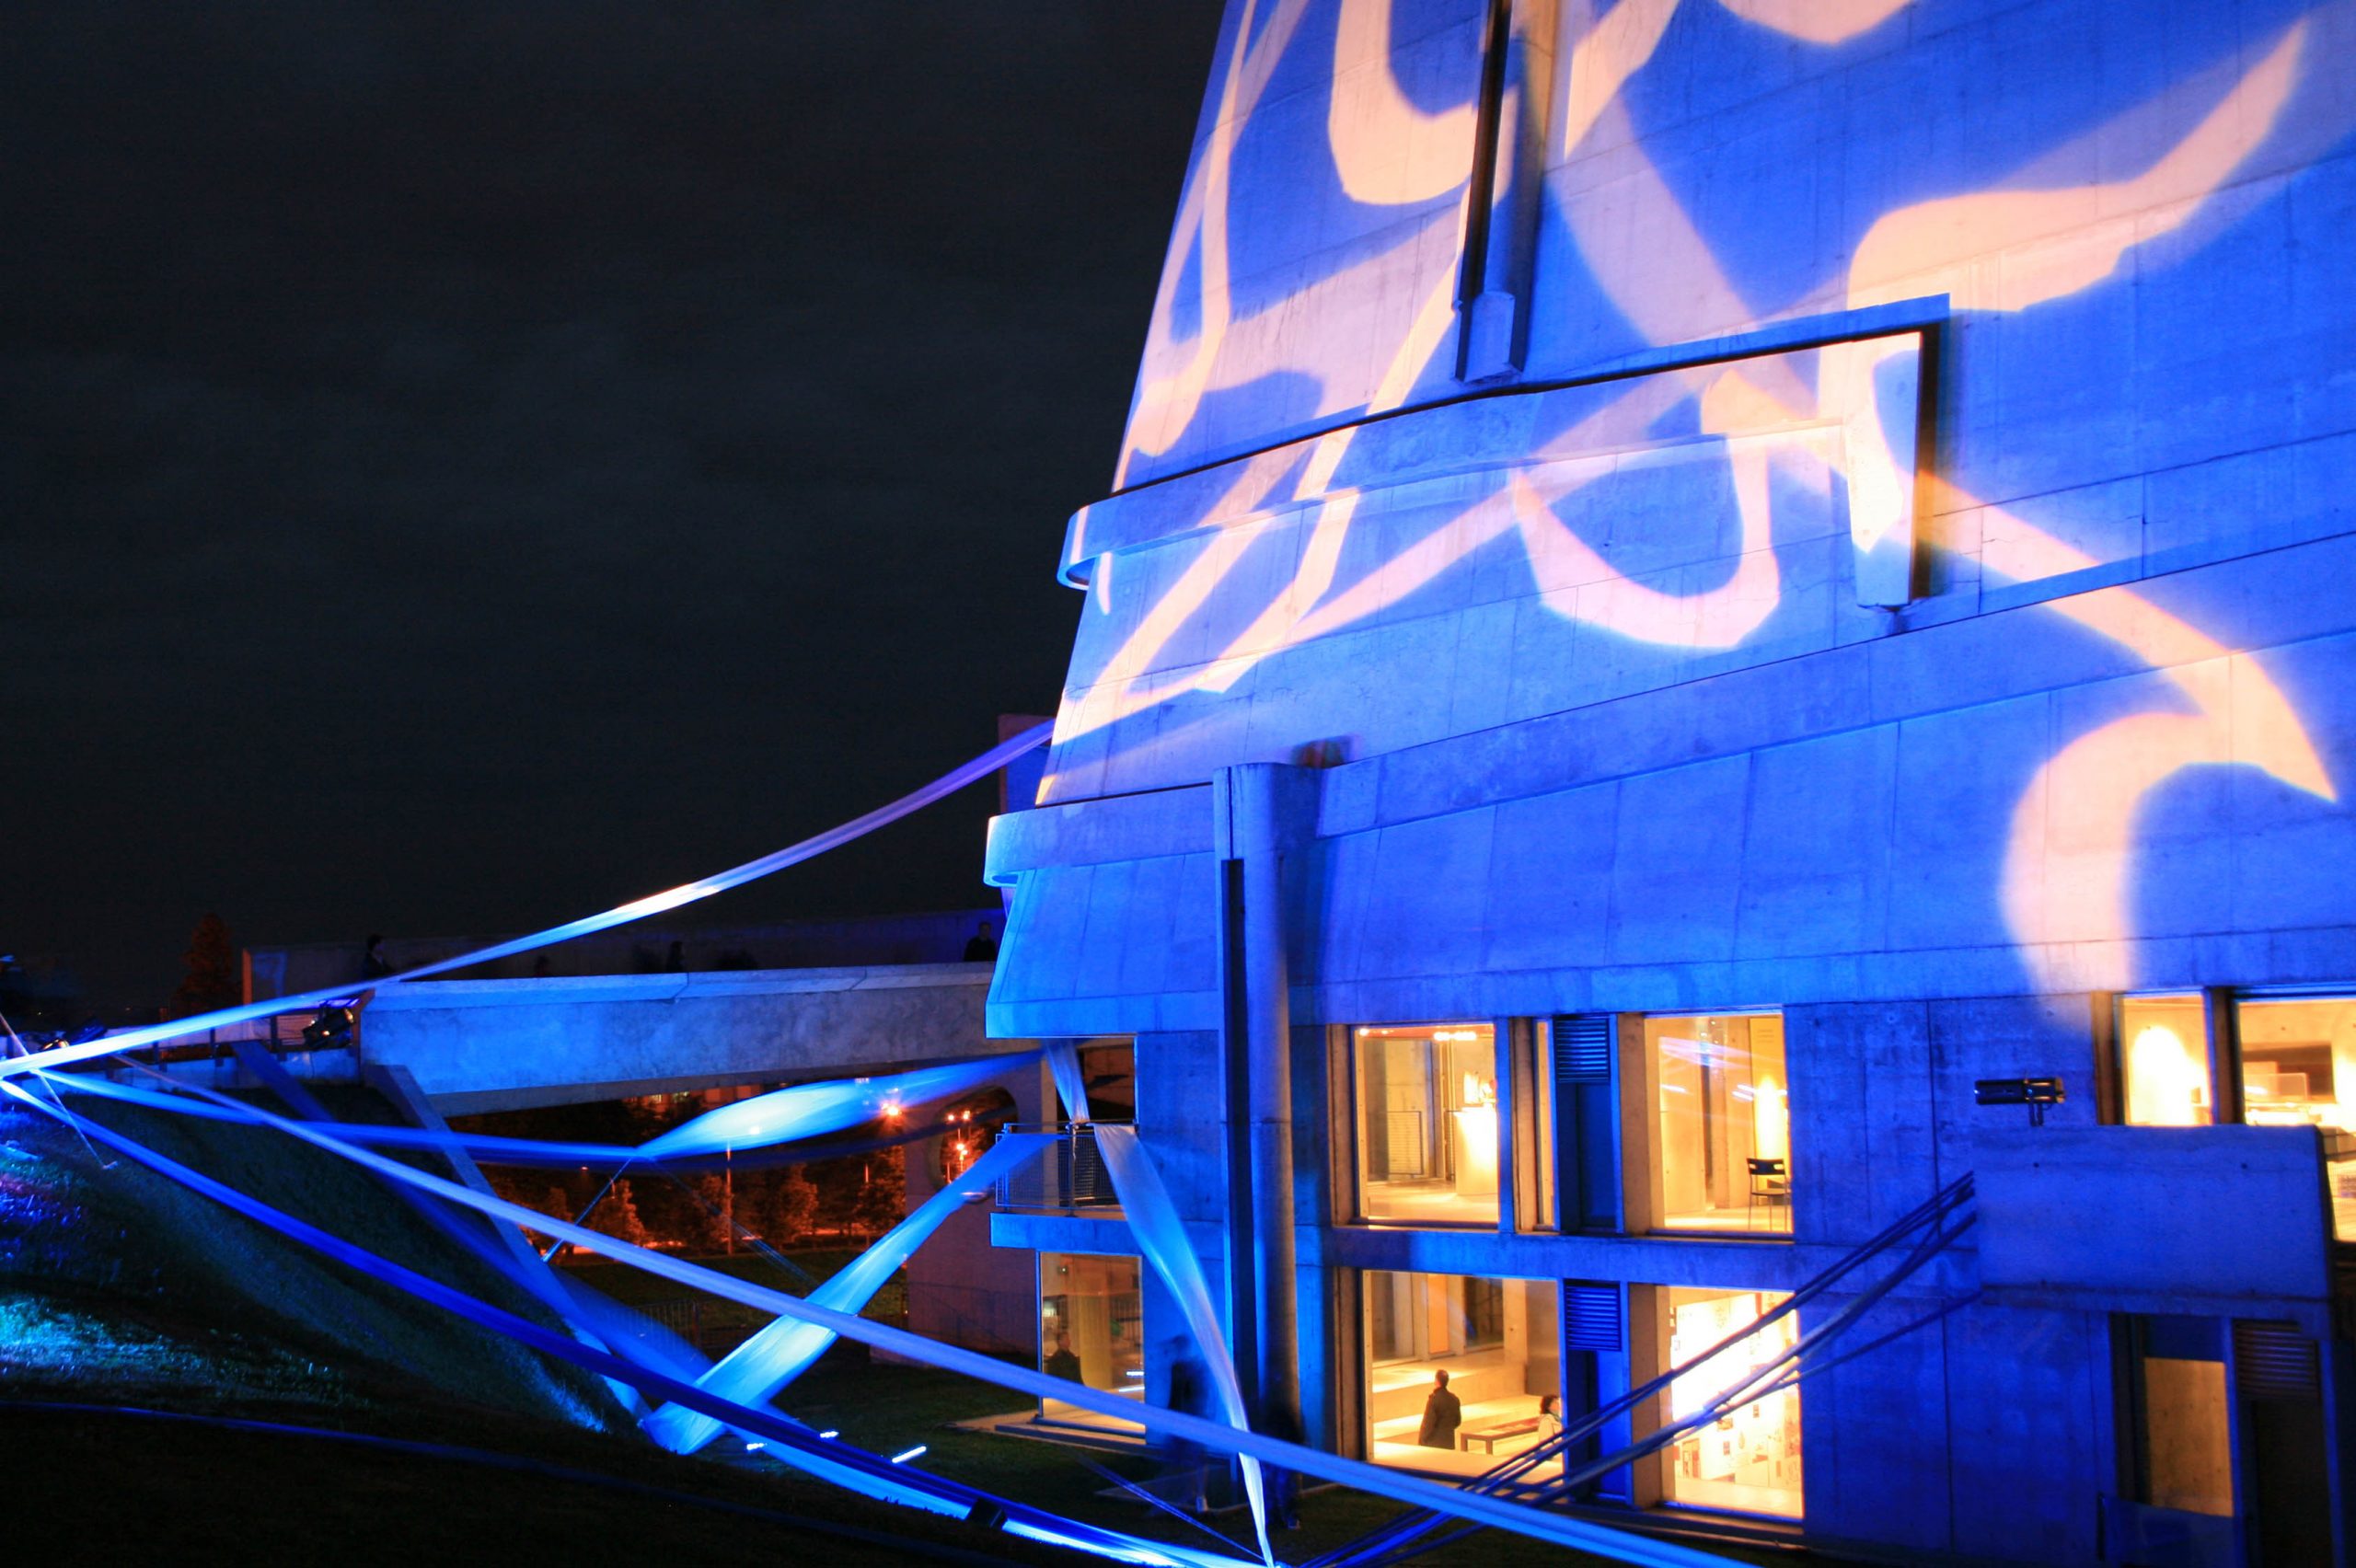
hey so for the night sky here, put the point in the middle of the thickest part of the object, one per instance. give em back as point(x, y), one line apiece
point(463, 466)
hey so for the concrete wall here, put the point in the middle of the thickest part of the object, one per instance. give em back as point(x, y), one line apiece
point(1837, 509)
point(500, 1044)
point(2152, 1218)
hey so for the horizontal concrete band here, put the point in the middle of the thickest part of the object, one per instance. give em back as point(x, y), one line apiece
point(2318, 956)
point(1470, 432)
point(556, 991)
point(1936, 670)
point(506, 1045)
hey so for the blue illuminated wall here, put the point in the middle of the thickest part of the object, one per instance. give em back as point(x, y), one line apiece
point(1832, 504)
point(2075, 678)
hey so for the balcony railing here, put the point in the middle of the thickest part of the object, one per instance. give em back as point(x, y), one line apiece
point(1064, 1179)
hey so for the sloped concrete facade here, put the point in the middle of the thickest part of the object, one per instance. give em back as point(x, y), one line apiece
point(1836, 511)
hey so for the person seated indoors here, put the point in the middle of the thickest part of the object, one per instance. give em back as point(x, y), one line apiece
point(1061, 1362)
point(1550, 1417)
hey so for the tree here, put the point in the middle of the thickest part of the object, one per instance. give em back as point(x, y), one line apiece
point(618, 1216)
point(213, 978)
point(884, 1199)
point(786, 1205)
point(707, 1226)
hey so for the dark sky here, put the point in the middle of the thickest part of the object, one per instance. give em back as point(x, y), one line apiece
point(465, 465)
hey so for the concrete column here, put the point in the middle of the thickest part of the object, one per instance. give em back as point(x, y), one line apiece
point(1262, 811)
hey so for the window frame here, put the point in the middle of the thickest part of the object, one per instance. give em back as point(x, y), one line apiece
point(1345, 1111)
point(1643, 1204)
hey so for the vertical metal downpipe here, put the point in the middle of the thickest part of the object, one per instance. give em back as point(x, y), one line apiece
point(1264, 810)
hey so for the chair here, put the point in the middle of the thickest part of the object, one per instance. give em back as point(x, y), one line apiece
point(1771, 1185)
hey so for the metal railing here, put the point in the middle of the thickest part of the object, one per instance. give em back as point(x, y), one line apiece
point(1067, 1178)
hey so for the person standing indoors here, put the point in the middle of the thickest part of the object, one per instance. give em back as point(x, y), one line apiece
point(1442, 1411)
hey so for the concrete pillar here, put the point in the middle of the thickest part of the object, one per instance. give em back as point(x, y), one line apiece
point(1262, 811)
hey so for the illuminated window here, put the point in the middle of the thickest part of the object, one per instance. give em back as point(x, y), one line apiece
point(1428, 1123)
point(1534, 1109)
point(1722, 1141)
point(1748, 1458)
point(2298, 1062)
point(1500, 1344)
point(2164, 1060)
point(2298, 1058)
point(1091, 1330)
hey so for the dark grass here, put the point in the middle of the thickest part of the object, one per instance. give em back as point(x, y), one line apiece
point(725, 1324)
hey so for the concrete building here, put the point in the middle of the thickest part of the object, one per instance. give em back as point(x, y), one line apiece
point(756, 1008)
point(1688, 581)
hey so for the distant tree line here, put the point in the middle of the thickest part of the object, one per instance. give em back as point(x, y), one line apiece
point(858, 1195)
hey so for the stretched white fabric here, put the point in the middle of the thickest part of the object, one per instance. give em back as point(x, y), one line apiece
point(1579, 1534)
point(1071, 1084)
point(753, 1372)
point(949, 783)
point(811, 1110)
point(1162, 1235)
point(790, 1442)
point(788, 1115)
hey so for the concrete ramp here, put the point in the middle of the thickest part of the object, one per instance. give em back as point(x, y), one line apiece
point(476, 1046)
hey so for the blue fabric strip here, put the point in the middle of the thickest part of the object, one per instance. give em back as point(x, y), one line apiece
point(1162, 1235)
point(756, 1370)
point(1071, 1085)
point(830, 1460)
point(1600, 1539)
point(947, 784)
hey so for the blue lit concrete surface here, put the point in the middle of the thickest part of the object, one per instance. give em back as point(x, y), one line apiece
point(1689, 580)
point(1692, 883)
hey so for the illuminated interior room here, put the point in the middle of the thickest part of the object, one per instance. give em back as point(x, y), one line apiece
point(1428, 1123)
point(2164, 1040)
point(1090, 1310)
point(2298, 1069)
point(1725, 1139)
point(1498, 1340)
point(1748, 1460)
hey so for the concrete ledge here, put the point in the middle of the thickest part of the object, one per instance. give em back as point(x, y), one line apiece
point(2129, 1218)
point(1099, 1235)
point(1100, 831)
point(561, 990)
point(507, 1044)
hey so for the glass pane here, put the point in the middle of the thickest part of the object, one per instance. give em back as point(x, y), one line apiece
point(1091, 1330)
point(1540, 1123)
point(1497, 1345)
point(1749, 1459)
point(2298, 1061)
point(2163, 1052)
point(2299, 1069)
point(1428, 1123)
point(1725, 1146)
